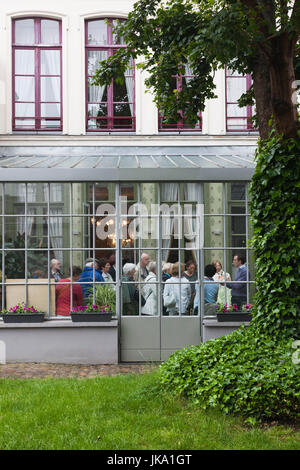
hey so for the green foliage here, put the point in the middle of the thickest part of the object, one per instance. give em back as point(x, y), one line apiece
point(242, 373)
point(274, 208)
point(167, 37)
point(15, 260)
point(105, 294)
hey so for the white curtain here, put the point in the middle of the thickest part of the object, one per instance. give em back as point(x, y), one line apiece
point(55, 192)
point(50, 86)
point(21, 223)
point(50, 31)
point(24, 86)
point(95, 92)
point(192, 193)
point(56, 232)
point(129, 87)
point(169, 193)
point(24, 31)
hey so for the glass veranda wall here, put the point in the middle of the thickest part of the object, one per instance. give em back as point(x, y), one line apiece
point(164, 226)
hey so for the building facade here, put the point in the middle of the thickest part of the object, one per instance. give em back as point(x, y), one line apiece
point(89, 172)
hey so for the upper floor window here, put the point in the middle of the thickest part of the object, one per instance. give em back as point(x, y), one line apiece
point(182, 124)
point(37, 74)
point(108, 108)
point(237, 119)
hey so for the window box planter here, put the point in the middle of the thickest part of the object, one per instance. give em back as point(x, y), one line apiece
point(91, 316)
point(23, 317)
point(234, 316)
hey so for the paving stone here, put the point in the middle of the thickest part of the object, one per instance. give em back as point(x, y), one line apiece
point(37, 370)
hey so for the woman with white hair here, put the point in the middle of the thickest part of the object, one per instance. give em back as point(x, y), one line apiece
point(177, 292)
point(150, 291)
point(130, 294)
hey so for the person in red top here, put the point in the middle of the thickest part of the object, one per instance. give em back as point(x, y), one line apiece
point(63, 293)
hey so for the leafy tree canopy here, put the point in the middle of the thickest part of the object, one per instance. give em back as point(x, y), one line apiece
point(250, 36)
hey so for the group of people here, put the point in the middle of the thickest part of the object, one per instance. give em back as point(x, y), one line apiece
point(140, 286)
point(180, 287)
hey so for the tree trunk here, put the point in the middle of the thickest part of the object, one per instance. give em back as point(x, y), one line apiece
point(262, 94)
point(282, 76)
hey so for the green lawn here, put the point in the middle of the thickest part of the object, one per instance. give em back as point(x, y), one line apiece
point(123, 412)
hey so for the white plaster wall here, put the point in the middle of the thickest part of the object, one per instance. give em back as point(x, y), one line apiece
point(73, 13)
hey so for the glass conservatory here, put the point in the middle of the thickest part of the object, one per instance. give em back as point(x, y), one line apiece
point(140, 219)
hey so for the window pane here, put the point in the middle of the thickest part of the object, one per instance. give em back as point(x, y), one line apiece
point(50, 89)
point(24, 31)
point(117, 39)
point(50, 62)
point(96, 94)
point(24, 109)
point(94, 57)
point(24, 88)
point(122, 109)
point(97, 32)
point(50, 32)
point(235, 111)
point(235, 88)
point(124, 92)
point(97, 110)
point(25, 123)
point(24, 62)
point(50, 110)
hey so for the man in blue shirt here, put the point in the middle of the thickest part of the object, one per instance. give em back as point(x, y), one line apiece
point(210, 290)
point(87, 275)
point(239, 291)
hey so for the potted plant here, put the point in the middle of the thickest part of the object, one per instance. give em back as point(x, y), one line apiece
point(232, 313)
point(105, 294)
point(21, 313)
point(91, 313)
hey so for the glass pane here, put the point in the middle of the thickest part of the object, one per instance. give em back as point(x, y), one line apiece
point(237, 124)
point(24, 62)
point(24, 31)
point(50, 89)
point(97, 110)
point(97, 94)
point(50, 123)
point(235, 88)
point(123, 110)
point(50, 62)
point(233, 110)
point(15, 266)
point(50, 32)
point(123, 91)
point(94, 57)
point(117, 39)
point(24, 89)
point(97, 32)
point(25, 110)
point(238, 191)
point(50, 110)
point(24, 123)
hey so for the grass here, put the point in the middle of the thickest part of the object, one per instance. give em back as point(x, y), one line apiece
point(121, 413)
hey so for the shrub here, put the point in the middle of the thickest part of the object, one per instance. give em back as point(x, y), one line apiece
point(274, 208)
point(241, 373)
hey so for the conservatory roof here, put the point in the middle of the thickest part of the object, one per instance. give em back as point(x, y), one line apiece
point(127, 163)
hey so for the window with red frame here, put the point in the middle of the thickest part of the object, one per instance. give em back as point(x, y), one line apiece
point(237, 119)
point(179, 82)
point(108, 108)
point(37, 74)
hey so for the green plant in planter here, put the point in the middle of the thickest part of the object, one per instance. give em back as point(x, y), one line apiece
point(91, 308)
point(21, 308)
point(104, 295)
